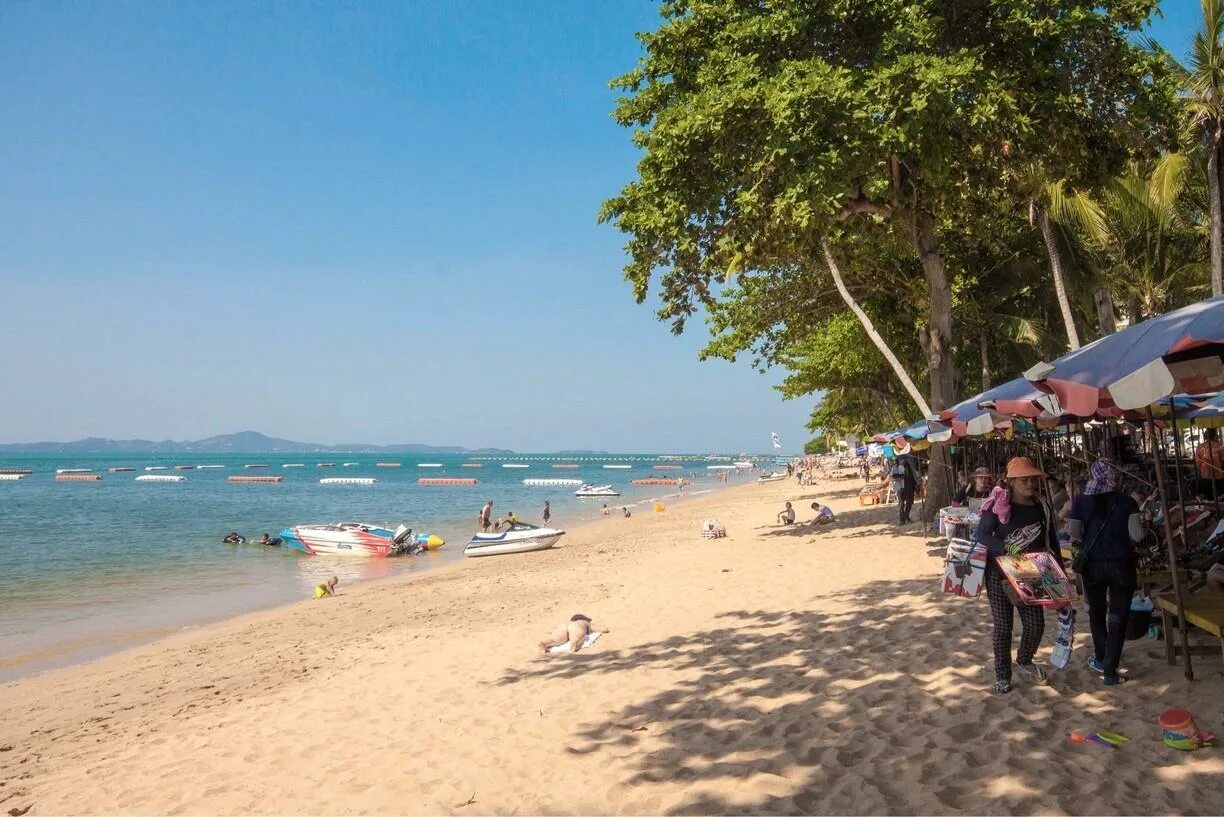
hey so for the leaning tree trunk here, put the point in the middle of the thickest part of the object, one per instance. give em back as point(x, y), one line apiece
point(1217, 222)
point(1056, 271)
point(982, 339)
point(1103, 299)
point(870, 329)
point(937, 342)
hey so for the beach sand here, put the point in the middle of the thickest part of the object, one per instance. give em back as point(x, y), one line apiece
point(778, 670)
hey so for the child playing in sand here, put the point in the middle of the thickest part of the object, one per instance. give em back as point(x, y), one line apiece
point(328, 588)
point(573, 633)
point(824, 514)
point(787, 515)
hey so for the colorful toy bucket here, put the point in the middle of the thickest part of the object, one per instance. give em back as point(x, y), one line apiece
point(1180, 732)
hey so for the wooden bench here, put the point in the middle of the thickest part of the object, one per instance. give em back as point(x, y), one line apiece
point(1204, 610)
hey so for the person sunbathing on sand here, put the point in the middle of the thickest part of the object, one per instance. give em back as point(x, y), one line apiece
point(572, 633)
point(328, 588)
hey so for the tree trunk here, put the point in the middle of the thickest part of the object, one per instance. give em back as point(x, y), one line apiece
point(1103, 299)
point(937, 340)
point(875, 336)
point(982, 339)
point(1217, 223)
point(1056, 271)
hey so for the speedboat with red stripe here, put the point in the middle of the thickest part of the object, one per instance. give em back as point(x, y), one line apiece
point(348, 539)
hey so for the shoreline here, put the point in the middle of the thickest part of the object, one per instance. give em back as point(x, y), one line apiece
point(778, 670)
point(88, 648)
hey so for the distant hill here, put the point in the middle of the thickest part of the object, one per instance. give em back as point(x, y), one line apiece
point(242, 442)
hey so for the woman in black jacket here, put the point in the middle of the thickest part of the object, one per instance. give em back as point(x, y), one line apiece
point(1014, 520)
point(1106, 523)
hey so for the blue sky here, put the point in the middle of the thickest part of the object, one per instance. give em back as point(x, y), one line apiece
point(337, 222)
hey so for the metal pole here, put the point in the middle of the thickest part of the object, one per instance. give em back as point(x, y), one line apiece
point(1177, 590)
point(1181, 494)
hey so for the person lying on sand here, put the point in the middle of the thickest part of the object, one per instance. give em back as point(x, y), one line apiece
point(328, 588)
point(573, 633)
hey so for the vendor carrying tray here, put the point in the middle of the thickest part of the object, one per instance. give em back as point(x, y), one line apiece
point(1036, 580)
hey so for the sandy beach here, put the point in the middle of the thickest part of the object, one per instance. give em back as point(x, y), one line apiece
point(778, 670)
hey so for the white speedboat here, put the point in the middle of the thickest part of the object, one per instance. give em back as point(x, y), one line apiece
point(596, 490)
point(777, 476)
point(742, 464)
point(347, 539)
point(519, 538)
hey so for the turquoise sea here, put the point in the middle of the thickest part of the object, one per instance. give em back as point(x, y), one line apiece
point(92, 567)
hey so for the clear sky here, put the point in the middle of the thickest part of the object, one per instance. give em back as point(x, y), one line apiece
point(341, 222)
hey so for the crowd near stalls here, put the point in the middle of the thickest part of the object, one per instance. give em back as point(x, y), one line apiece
point(1132, 417)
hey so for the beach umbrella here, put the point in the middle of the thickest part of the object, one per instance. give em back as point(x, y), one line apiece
point(1178, 351)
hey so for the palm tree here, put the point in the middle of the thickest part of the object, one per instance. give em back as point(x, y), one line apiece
point(1051, 203)
point(1203, 82)
point(1153, 251)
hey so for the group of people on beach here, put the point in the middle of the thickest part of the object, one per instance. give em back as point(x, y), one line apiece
point(823, 515)
point(1104, 524)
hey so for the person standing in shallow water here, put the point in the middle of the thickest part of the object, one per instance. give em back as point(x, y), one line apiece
point(485, 518)
point(547, 512)
point(1014, 520)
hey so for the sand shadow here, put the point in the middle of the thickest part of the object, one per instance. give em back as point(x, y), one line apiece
point(761, 717)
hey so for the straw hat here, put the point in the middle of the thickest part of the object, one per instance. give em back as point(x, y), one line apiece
point(1021, 467)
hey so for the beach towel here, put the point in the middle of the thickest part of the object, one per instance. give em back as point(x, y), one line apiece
point(586, 642)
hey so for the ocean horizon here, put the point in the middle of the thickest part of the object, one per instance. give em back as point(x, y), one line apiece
point(97, 566)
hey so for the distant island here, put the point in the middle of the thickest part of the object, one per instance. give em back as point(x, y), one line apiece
point(243, 442)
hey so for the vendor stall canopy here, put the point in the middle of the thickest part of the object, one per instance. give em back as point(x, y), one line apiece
point(1180, 352)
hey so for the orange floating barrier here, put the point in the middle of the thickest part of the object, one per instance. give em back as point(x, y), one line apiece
point(78, 477)
point(446, 481)
point(256, 479)
point(386, 465)
point(472, 465)
point(22, 471)
point(565, 465)
point(657, 481)
point(669, 467)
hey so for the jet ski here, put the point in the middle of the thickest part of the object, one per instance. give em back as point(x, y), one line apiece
point(596, 490)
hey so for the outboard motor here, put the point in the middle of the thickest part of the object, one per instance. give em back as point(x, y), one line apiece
point(402, 541)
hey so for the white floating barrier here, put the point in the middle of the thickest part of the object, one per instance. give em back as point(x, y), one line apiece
point(160, 478)
point(550, 482)
point(514, 465)
point(11, 477)
point(347, 481)
point(618, 466)
point(73, 470)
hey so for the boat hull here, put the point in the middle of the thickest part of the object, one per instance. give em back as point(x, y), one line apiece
point(486, 544)
point(346, 539)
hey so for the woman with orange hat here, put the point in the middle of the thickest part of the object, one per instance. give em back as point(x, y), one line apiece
point(1014, 520)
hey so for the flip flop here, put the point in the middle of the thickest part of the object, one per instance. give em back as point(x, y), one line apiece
point(1113, 738)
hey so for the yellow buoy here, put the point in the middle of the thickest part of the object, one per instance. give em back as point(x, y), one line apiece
point(659, 507)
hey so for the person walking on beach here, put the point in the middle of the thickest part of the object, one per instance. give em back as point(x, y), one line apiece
point(905, 483)
point(485, 518)
point(1014, 520)
point(547, 513)
point(1105, 523)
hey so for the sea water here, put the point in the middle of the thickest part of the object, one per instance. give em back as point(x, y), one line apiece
point(92, 567)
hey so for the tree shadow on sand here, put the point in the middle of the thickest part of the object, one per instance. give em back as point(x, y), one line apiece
point(784, 711)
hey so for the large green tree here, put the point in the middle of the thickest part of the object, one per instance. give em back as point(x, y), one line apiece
point(767, 128)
